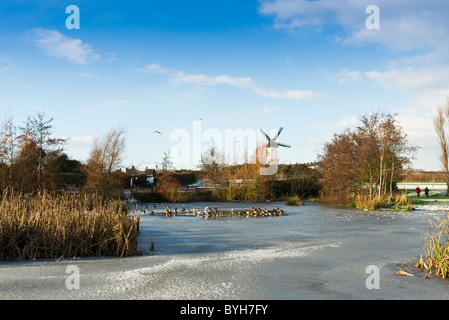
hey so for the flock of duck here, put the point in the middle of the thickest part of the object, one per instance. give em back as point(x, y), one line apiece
point(215, 213)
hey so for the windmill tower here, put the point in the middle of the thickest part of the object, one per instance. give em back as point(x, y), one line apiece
point(271, 155)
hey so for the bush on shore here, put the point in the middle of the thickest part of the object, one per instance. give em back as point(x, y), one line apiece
point(293, 201)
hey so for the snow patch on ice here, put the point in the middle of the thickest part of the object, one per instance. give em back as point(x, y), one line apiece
point(178, 277)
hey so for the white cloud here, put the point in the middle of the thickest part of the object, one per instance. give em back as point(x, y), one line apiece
point(58, 45)
point(111, 57)
point(411, 78)
point(289, 94)
point(79, 147)
point(293, 14)
point(201, 79)
point(274, 109)
point(347, 122)
point(6, 64)
point(156, 68)
point(418, 125)
point(347, 75)
point(424, 87)
point(180, 77)
point(117, 102)
point(80, 140)
point(431, 99)
point(414, 30)
point(404, 24)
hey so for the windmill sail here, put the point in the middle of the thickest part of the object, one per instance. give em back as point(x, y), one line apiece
point(272, 141)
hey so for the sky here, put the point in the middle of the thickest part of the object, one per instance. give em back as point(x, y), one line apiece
point(208, 72)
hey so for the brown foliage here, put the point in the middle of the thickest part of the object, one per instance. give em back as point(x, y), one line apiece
point(169, 187)
point(104, 162)
point(368, 159)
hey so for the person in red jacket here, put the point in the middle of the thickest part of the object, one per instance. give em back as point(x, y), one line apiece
point(418, 191)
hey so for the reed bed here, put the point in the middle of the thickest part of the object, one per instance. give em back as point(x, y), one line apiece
point(364, 201)
point(400, 202)
point(47, 225)
point(436, 244)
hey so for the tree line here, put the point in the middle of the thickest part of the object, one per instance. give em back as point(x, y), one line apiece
point(32, 159)
point(245, 183)
point(366, 160)
point(231, 182)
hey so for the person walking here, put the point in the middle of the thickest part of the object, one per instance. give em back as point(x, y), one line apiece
point(418, 191)
point(426, 191)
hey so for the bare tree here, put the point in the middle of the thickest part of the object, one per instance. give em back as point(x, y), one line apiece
point(167, 164)
point(42, 130)
point(105, 159)
point(211, 161)
point(8, 142)
point(441, 122)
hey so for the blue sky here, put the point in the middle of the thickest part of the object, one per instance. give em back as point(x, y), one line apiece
point(312, 67)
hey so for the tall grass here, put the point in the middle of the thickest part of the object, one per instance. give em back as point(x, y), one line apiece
point(293, 201)
point(436, 244)
point(364, 201)
point(47, 225)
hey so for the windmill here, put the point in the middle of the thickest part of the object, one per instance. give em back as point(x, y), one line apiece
point(272, 142)
point(271, 156)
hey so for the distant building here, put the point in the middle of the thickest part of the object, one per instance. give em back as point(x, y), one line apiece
point(133, 171)
point(311, 165)
point(150, 173)
point(200, 185)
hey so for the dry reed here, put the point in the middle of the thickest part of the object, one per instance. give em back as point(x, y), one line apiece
point(400, 202)
point(47, 225)
point(436, 244)
point(363, 201)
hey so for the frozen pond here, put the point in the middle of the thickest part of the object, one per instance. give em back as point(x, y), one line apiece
point(312, 252)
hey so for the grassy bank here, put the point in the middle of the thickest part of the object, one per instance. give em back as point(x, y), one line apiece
point(435, 197)
point(53, 226)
